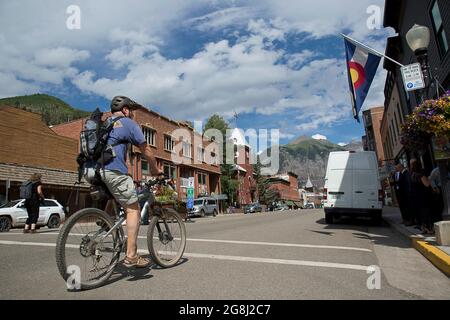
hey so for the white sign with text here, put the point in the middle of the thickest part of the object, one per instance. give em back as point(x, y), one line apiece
point(413, 77)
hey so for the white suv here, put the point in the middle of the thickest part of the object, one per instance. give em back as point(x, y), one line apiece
point(14, 214)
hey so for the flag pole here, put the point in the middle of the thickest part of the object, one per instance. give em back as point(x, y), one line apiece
point(371, 50)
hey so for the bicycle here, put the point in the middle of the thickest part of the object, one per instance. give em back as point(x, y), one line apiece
point(92, 236)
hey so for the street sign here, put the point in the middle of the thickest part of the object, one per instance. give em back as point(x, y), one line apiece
point(190, 193)
point(413, 77)
point(191, 182)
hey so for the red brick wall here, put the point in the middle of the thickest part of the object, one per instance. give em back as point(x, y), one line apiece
point(247, 184)
point(287, 190)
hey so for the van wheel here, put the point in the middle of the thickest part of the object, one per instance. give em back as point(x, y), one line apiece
point(5, 224)
point(377, 219)
point(329, 218)
point(202, 213)
point(214, 213)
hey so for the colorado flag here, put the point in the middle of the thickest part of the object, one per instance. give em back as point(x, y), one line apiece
point(361, 68)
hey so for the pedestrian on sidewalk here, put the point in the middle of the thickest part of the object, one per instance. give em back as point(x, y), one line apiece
point(437, 201)
point(402, 186)
point(420, 197)
point(32, 204)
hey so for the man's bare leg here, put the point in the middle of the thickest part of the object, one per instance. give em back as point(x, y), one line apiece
point(133, 221)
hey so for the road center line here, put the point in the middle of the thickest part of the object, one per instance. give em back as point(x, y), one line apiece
point(225, 257)
point(259, 243)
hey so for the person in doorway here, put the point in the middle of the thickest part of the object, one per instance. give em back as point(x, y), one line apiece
point(437, 200)
point(32, 204)
point(402, 186)
point(420, 197)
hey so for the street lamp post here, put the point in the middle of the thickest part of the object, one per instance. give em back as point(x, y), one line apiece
point(418, 38)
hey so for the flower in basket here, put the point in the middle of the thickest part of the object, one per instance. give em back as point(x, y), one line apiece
point(165, 195)
point(430, 119)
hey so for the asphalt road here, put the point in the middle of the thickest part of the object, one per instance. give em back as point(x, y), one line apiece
point(284, 255)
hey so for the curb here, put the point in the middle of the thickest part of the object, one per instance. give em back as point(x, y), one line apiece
point(437, 257)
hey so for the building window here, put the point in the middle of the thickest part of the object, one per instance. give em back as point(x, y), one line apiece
point(170, 170)
point(200, 154)
point(150, 136)
point(186, 149)
point(396, 125)
point(144, 166)
point(439, 31)
point(400, 112)
point(168, 143)
point(201, 177)
point(393, 131)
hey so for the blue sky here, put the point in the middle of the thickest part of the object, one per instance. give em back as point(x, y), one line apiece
point(278, 64)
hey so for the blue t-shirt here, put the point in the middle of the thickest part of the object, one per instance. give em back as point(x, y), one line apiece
point(127, 131)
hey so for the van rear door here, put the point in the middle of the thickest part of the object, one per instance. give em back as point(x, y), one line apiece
point(365, 180)
point(339, 180)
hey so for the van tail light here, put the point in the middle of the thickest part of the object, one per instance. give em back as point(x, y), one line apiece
point(325, 194)
point(380, 195)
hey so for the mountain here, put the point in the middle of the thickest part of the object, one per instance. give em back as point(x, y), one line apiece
point(52, 109)
point(354, 146)
point(307, 157)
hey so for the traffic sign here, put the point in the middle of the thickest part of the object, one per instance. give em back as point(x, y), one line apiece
point(190, 203)
point(413, 77)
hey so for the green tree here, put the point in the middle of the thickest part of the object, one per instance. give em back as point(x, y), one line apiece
point(265, 193)
point(229, 184)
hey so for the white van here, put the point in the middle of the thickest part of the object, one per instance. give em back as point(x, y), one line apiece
point(352, 186)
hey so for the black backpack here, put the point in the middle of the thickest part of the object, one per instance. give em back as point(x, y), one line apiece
point(26, 190)
point(94, 149)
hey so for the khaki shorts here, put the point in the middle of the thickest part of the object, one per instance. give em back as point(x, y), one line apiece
point(121, 187)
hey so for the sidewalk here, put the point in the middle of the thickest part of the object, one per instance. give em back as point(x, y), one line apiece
point(426, 245)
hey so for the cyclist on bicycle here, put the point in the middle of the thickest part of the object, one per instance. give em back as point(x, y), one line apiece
point(116, 177)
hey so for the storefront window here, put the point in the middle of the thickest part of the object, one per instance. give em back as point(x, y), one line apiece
point(170, 170)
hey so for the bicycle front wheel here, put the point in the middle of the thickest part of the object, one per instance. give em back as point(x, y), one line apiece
point(166, 238)
point(84, 256)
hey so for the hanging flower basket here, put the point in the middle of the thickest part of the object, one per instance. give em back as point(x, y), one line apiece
point(430, 120)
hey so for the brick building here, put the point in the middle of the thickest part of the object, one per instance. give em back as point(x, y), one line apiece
point(179, 150)
point(243, 170)
point(286, 186)
point(28, 146)
point(372, 124)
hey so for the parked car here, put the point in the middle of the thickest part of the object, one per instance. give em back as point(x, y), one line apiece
point(352, 186)
point(282, 207)
point(204, 206)
point(14, 214)
point(309, 206)
point(252, 208)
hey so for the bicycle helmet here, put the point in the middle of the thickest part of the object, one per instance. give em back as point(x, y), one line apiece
point(120, 102)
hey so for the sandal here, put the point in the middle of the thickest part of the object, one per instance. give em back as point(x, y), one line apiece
point(137, 262)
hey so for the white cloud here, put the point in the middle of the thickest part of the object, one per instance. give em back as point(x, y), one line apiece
point(60, 57)
point(319, 137)
point(223, 77)
point(342, 144)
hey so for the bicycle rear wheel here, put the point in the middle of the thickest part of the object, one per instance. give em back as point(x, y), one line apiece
point(84, 259)
point(166, 238)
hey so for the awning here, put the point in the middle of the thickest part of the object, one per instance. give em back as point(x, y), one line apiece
point(220, 196)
